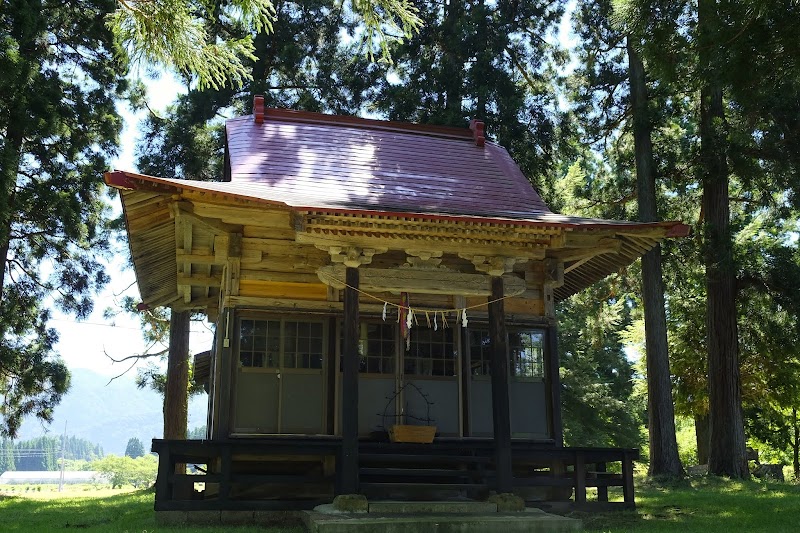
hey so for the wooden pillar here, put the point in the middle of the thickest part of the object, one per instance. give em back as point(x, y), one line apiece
point(465, 376)
point(347, 469)
point(500, 404)
point(553, 386)
point(225, 374)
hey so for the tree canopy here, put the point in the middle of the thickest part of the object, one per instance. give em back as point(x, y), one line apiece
point(58, 129)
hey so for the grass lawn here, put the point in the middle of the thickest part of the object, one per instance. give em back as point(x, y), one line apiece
point(701, 504)
point(705, 504)
point(101, 510)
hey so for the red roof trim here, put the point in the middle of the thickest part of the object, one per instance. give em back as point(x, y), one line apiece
point(290, 115)
point(477, 128)
point(119, 179)
point(679, 230)
point(258, 109)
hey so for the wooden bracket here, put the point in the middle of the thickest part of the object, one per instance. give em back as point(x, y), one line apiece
point(185, 210)
point(423, 259)
point(492, 265)
point(352, 256)
point(553, 273)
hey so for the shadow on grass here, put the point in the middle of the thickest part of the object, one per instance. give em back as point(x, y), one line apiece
point(707, 504)
point(126, 512)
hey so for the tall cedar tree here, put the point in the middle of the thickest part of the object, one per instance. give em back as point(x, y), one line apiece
point(664, 459)
point(58, 126)
point(739, 58)
point(612, 99)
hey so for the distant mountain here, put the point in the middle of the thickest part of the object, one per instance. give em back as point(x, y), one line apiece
point(110, 413)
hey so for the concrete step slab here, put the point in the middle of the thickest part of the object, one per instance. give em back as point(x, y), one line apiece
point(442, 507)
point(529, 521)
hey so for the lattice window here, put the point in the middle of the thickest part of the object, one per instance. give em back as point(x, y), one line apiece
point(431, 353)
point(376, 348)
point(302, 345)
point(526, 352)
point(260, 343)
point(480, 352)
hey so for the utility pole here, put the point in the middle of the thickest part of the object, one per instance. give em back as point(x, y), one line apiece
point(63, 450)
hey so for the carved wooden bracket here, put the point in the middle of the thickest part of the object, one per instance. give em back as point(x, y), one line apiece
point(352, 256)
point(423, 260)
point(492, 265)
point(553, 273)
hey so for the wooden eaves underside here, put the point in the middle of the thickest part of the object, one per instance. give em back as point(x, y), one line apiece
point(183, 235)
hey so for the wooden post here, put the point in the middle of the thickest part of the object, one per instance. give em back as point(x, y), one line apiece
point(331, 365)
point(580, 479)
point(164, 493)
point(500, 405)
point(224, 407)
point(348, 468)
point(602, 491)
point(627, 480)
point(553, 386)
point(466, 375)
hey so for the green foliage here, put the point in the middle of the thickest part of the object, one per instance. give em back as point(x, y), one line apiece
point(179, 34)
point(121, 471)
point(487, 61)
point(198, 433)
point(134, 448)
point(214, 40)
point(599, 407)
point(687, 442)
point(44, 453)
point(58, 127)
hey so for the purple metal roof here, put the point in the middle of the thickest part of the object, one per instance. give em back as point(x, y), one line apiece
point(311, 160)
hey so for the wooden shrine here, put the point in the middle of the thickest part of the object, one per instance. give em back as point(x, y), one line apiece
point(362, 275)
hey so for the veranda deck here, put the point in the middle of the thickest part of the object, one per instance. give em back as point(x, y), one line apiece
point(299, 472)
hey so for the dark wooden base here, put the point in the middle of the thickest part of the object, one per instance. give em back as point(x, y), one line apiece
point(290, 473)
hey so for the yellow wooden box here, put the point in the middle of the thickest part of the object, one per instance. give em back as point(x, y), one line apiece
point(405, 433)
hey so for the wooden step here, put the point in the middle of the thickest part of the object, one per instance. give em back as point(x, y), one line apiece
point(419, 472)
point(420, 458)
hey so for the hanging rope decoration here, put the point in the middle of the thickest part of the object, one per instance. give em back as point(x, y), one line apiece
point(407, 316)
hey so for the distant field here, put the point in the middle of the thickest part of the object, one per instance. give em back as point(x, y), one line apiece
point(707, 505)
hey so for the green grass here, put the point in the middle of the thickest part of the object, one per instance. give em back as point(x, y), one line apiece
point(703, 504)
point(104, 510)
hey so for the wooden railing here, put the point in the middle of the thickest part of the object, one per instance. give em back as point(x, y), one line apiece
point(235, 472)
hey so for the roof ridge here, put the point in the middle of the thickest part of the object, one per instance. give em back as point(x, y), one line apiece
point(262, 114)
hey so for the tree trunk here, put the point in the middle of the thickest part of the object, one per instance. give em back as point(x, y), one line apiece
point(482, 61)
point(702, 437)
point(176, 395)
point(10, 158)
point(796, 446)
point(451, 61)
point(664, 458)
point(727, 453)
